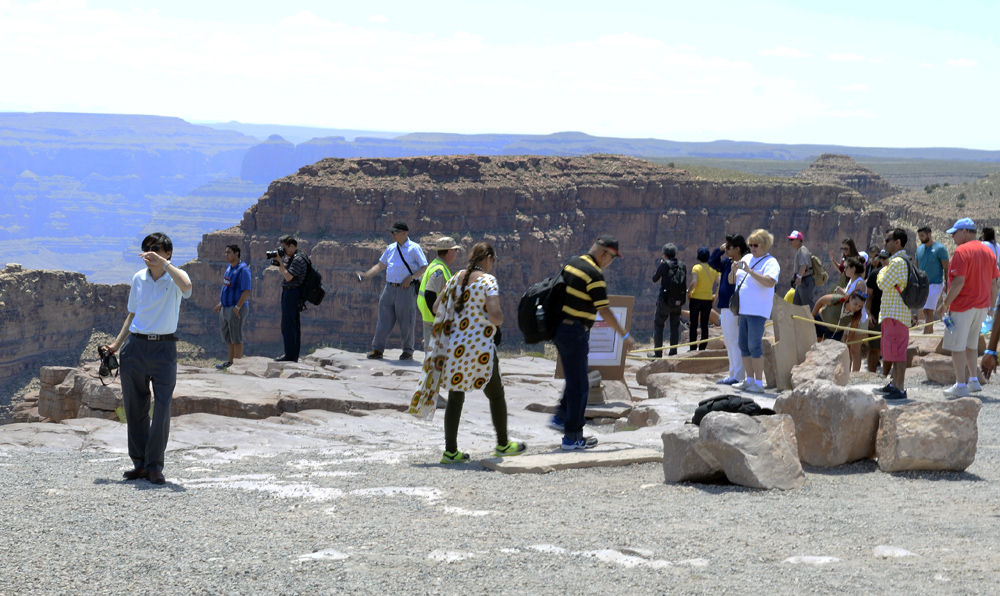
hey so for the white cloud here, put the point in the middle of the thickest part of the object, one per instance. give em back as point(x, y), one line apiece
point(855, 87)
point(838, 57)
point(784, 52)
point(926, 65)
point(628, 40)
point(961, 62)
point(378, 18)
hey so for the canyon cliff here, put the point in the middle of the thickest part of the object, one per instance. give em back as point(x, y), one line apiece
point(842, 169)
point(536, 211)
point(46, 317)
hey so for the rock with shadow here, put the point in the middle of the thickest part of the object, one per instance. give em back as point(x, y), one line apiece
point(834, 425)
point(928, 436)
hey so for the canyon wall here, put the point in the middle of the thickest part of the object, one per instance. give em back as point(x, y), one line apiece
point(46, 317)
point(537, 212)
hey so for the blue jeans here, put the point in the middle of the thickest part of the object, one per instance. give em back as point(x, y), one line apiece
point(751, 332)
point(573, 343)
point(291, 328)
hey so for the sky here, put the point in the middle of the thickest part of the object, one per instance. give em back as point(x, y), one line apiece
point(886, 73)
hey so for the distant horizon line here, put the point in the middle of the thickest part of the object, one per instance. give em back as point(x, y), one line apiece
point(382, 133)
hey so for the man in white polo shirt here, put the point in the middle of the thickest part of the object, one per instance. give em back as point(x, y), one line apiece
point(404, 263)
point(149, 356)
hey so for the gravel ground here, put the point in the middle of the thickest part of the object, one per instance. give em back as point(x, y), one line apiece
point(374, 520)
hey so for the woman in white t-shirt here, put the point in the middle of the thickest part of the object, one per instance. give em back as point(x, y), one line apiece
point(755, 276)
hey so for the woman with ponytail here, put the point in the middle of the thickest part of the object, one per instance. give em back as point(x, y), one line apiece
point(463, 353)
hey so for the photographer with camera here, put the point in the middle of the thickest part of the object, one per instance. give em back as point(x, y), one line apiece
point(149, 355)
point(293, 266)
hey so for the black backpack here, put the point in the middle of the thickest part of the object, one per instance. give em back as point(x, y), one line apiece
point(676, 290)
point(729, 403)
point(918, 285)
point(312, 286)
point(540, 309)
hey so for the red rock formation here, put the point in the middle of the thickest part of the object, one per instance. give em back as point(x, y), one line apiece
point(46, 316)
point(842, 169)
point(537, 211)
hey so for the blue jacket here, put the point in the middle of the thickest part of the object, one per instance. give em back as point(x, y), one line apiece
point(721, 263)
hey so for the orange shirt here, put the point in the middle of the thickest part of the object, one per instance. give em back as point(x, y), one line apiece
point(977, 264)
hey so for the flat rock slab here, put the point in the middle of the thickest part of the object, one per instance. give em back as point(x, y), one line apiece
point(543, 463)
point(612, 410)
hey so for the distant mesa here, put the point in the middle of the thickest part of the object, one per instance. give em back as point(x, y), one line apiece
point(842, 169)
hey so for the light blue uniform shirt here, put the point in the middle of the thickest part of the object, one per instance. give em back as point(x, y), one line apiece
point(156, 304)
point(395, 270)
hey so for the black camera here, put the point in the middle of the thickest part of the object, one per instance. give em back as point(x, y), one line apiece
point(109, 363)
point(273, 255)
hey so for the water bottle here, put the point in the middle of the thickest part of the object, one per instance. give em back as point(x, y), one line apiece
point(987, 326)
point(539, 317)
point(948, 323)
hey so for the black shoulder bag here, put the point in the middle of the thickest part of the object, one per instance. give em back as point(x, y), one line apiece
point(414, 284)
point(734, 301)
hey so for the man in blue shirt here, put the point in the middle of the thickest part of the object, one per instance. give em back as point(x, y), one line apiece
point(149, 355)
point(404, 263)
point(233, 306)
point(932, 259)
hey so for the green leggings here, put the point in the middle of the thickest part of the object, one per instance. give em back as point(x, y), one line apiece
point(498, 410)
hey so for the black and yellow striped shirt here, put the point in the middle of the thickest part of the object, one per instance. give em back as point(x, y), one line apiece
point(586, 291)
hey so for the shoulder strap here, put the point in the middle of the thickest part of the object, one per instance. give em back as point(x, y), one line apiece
point(752, 266)
point(404, 259)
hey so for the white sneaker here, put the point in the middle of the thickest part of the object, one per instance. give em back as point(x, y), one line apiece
point(956, 391)
point(754, 388)
point(742, 385)
point(975, 386)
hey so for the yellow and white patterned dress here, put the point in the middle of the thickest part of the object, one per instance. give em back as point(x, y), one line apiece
point(461, 349)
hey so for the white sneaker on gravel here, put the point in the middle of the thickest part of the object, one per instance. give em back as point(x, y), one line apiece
point(975, 386)
point(956, 391)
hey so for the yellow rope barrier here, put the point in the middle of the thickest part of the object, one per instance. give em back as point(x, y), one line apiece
point(679, 358)
point(690, 343)
point(832, 326)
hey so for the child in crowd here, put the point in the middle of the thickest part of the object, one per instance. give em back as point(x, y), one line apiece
point(845, 310)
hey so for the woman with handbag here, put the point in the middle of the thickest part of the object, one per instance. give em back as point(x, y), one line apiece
point(463, 353)
point(755, 276)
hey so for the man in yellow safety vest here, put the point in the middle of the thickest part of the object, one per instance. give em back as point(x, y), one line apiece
point(437, 274)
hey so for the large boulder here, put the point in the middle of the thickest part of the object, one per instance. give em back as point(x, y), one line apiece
point(928, 436)
point(682, 462)
point(697, 362)
point(939, 368)
point(759, 452)
point(651, 368)
point(833, 425)
point(829, 360)
point(59, 397)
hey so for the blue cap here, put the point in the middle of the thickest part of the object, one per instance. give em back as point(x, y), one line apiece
point(963, 224)
point(703, 254)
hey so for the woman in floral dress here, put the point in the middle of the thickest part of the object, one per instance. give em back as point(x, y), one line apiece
point(463, 353)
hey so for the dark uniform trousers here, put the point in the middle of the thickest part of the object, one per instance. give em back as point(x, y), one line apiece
point(144, 364)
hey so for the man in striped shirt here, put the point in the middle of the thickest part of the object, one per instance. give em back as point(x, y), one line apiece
point(586, 295)
point(894, 315)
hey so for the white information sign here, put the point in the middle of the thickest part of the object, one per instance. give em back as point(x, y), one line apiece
point(606, 345)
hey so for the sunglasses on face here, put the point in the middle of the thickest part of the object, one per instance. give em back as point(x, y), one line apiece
point(753, 245)
point(154, 248)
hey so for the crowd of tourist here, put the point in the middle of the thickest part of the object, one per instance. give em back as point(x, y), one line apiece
point(962, 292)
point(462, 318)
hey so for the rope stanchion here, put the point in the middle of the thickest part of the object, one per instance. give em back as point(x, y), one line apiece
point(690, 343)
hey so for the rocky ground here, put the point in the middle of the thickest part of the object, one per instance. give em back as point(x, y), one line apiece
point(320, 501)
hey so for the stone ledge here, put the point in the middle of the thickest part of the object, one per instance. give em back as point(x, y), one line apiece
point(543, 463)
